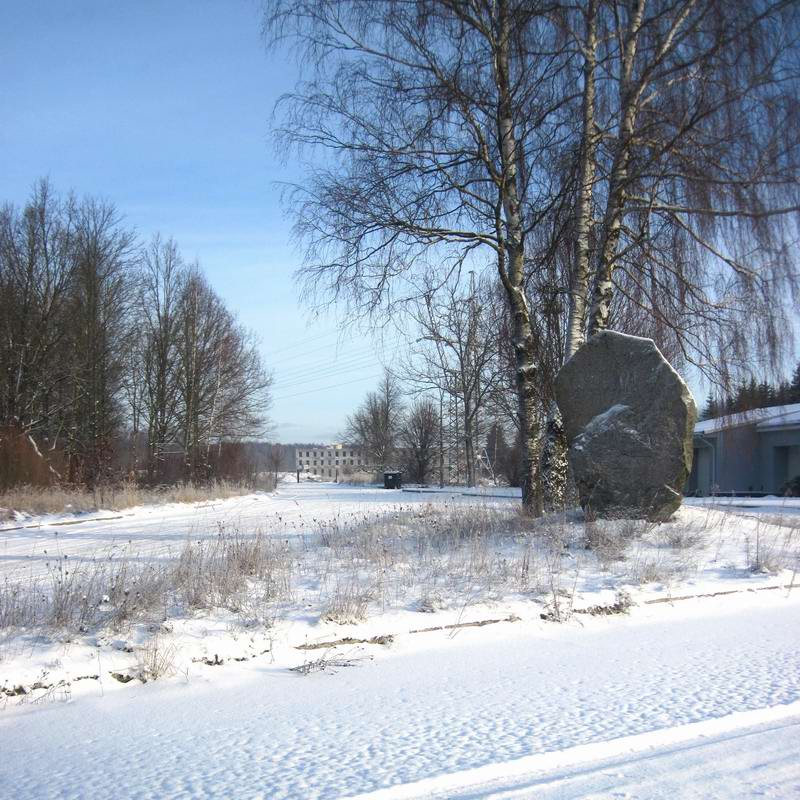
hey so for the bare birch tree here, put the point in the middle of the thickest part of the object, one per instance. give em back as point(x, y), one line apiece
point(37, 263)
point(696, 171)
point(686, 193)
point(99, 301)
point(440, 115)
point(223, 388)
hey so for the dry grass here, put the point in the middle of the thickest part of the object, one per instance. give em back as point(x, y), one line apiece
point(244, 575)
point(770, 550)
point(155, 659)
point(610, 539)
point(330, 663)
point(54, 500)
point(424, 558)
point(348, 603)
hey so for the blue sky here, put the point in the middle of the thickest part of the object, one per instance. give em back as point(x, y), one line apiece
point(163, 107)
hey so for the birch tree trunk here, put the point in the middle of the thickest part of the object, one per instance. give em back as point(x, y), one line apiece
point(576, 327)
point(525, 374)
point(469, 446)
point(553, 465)
point(514, 277)
point(630, 97)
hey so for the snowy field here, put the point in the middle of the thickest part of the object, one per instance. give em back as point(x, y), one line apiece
point(402, 645)
point(27, 543)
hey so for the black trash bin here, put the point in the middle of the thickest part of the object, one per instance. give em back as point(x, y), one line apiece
point(393, 480)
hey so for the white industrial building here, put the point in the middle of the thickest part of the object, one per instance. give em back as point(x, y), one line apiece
point(331, 461)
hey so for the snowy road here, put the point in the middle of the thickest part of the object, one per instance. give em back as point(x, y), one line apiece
point(434, 708)
point(746, 754)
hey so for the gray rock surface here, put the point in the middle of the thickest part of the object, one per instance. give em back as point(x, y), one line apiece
point(628, 418)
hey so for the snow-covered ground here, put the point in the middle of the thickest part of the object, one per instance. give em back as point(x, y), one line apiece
point(705, 703)
point(29, 543)
point(750, 505)
point(693, 693)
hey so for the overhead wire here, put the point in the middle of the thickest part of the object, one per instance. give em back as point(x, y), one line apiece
point(301, 343)
point(293, 355)
point(339, 368)
point(325, 388)
point(365, 352)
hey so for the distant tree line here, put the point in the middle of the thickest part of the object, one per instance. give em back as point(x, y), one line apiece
point(117, 358)
point(752, 394)
point(424, 435)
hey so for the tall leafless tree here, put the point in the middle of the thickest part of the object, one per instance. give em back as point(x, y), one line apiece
point(419, 438)
point(443, 116)
point(685, 189)
point(97, 338)
point(158, 320)
point(456, 352)
point(37, 265)
point(691, 162)
point(375, 424)
point(222, 386)
point(98, 305)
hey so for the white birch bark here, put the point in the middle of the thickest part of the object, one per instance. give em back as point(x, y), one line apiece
point(553, 464)
point(576, 327)
point(513, 278)
point(612, 224)
point(631, 93)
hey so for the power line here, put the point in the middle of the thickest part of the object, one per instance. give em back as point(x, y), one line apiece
point(368, 352)
point(325, 374)
point(293, 356)
point(324, 388)
point(290, 356)
point(340, 368)
point(300, 343)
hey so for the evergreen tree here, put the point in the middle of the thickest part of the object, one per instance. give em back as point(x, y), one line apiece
point(711, 410)
point(794, 387)
point(783, 394)
point(766, 395)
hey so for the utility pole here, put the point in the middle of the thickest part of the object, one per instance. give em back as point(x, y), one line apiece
point(441, 439)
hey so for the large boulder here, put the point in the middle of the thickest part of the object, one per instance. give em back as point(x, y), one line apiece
point(628, 418)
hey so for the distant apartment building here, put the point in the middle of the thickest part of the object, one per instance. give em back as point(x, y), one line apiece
point(332, 461)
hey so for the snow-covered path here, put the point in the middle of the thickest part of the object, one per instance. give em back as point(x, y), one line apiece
point(434, 707)
point(732, 757)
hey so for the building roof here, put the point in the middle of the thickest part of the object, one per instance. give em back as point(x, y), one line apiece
point(762, 418)
point(788, 419)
